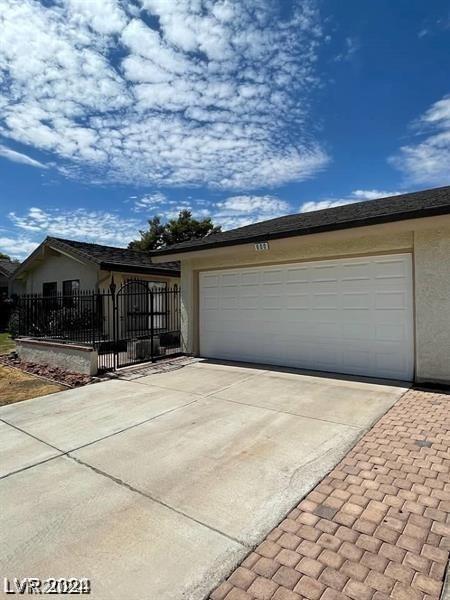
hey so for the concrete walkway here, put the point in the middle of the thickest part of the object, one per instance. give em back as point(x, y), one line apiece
point(377, 527)
point(158, 486)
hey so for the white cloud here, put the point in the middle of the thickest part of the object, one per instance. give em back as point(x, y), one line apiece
point(20, 158)
point(149, 202)
point(350, 49)
point(237, 211)
point(17, 247)
point(428, 161)
point(232, 211)
point(215, 93)
point(355, 196)
point(98, 227)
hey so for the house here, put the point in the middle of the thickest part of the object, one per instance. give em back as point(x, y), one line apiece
point(112, 300)
point(361, 289)
point(65, 266)
point(7, 268)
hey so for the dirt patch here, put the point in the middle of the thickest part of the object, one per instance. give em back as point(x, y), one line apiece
point(16, 386)
point(55, 374)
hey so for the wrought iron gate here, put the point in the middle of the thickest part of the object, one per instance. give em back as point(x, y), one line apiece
point(143, 319)
point(138, 322)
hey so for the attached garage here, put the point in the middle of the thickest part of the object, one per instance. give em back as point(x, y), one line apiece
point(361, 289)
point(347, 316)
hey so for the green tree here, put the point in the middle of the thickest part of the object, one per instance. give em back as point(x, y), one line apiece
point(182, 229)
point(4, 256)
point(152, 238)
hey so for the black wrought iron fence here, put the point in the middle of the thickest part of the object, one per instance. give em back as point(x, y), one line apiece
point(76, 317)
point(137, 322)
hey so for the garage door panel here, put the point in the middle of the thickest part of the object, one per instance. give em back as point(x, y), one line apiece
point(298, 275)
point(356, 271)
point(356, 300)
point(358, 331)
point(325, 301)
point(249, 302)
point(390, 300)
point(389, 362)
point(354, 286)
point(273, 276)
point(392, 332)
point(357, 359)
point(395, 268)
point(298, 301)
point(351, 316)
point(321, 272)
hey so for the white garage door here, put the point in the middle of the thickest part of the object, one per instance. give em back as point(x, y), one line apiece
point(347, 316)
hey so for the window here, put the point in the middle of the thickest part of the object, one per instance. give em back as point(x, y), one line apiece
point(49, 288)
point(49, 292)
point(70, 289)
point(155, 286)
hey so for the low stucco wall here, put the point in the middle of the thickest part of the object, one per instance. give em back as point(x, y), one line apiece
point(74, 358)
point(428, 240)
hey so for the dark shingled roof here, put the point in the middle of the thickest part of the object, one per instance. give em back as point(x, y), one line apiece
point(425, 203)
point(7, 267)
point(111, 258)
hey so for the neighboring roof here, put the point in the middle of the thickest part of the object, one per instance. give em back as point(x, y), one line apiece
point(425, 203)
point(108, 258)
point(7, 267)
point(111, 258)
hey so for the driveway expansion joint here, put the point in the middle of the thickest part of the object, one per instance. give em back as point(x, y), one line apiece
point(135, 490)
point(286, 412)
point(76, 448)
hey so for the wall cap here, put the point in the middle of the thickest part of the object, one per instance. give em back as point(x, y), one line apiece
point(54, 344)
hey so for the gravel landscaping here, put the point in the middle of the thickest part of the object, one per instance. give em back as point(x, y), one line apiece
point(55, 374)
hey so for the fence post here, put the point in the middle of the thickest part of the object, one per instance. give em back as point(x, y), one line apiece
point(93, 320)
point(112, 289)
point(152, 326)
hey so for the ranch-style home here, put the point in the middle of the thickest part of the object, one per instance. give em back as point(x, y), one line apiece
point(7, 268)
point(66, 266)
point(361, 289)
point(87, 306)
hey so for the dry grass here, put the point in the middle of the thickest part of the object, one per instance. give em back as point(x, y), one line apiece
point(16, 386)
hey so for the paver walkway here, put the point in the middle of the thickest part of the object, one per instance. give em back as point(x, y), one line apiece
point(377, 527)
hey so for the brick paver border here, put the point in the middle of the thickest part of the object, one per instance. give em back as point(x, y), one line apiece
point(376, 527)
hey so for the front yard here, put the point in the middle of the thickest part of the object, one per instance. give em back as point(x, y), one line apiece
point(6, 343)
point(16, 386)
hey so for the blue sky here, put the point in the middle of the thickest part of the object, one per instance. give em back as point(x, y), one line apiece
point(112, 111)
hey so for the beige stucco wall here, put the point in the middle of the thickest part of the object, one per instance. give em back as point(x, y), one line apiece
point(427, 239)
point(71, 357)
point(432, 300)
point(59, 268)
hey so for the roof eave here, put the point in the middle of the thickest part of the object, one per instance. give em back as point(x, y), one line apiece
point(116, 267)
point(76, 253)
point(379, 220)
point(29, 259)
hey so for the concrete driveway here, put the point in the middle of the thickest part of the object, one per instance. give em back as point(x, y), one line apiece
point(157, 487)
